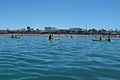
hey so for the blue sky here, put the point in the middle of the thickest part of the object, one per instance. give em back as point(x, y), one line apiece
point(60, 13)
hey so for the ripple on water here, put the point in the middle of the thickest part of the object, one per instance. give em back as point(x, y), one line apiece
point(35, 58)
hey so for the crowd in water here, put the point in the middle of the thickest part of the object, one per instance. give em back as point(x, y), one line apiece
point(100, 38)
point(14, 36)
point(97, 37)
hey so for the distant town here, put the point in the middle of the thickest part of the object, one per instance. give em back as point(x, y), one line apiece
point(54, 30)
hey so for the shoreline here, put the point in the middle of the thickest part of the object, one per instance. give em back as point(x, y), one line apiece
point(67, 35)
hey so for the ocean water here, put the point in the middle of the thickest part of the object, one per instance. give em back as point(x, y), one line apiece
point(79, 58)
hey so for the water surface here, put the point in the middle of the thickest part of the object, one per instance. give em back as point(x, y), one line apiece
point(36, 58)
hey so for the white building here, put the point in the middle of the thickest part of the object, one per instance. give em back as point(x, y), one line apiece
point(75, 29)
point(50, 29)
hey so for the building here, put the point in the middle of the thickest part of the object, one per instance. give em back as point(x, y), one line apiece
point(75, 29)
point(49, 29)
point(63, 31)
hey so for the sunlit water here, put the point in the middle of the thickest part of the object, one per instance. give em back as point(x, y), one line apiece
point(36, 58)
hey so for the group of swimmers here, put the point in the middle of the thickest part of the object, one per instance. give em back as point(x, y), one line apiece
point(51, 37)
point(100, 38)
point(108, 39)
point(14, 36)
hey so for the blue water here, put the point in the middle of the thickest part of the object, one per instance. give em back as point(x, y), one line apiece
point(79, 58)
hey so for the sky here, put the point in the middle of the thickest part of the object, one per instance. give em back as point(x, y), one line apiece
point(97, 14)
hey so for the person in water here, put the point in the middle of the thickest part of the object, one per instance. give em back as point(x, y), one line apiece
point(109, 39)
point(12, 36)
point(100, 38)
point(50, 37)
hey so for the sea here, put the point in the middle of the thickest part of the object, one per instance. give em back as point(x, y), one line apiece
point(77, 58)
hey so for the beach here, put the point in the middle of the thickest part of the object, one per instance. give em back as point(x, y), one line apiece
point(67, 35)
